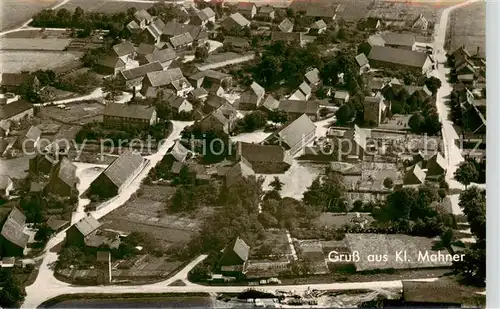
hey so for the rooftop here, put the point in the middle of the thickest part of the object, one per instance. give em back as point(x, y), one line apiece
point(398, 56)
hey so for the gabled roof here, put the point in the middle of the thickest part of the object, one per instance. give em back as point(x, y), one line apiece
point(239, 19)
point(236, 41)
point(255, 89)
point(270, 103)
point(163, 78)
point(199, 92)
point(134, 111)
point(33, 133)
point(245, 6)
point(262, 153)
point(141, 71)
point(216, 75)
point(286, 25)
point(87, 225)
point(174, 100)
point(179, 152)
point(13, 228)
point(236, 252)
point(414, 176)
point(143, 15)
point(164, 55)
point(341, 95)
point(124, 48)
point(12, 109)
point(181, 39)
point(312, 76)
point(401, 39)
point(298, 106)
point(436, 164)
point(358, 135)
point(15, 79)
point(145, 49)
point(398, 56)
point(294, 132)
point(65, 170)
point(266, 9)
point(319, 24)
point(215, 101)
point(297, 95)
point(173, 29)
point(123, 167)
point(361, 60)
point(376, 40)
point(240, 169)
point(156, 28)
point(208, 13)
point(322, 11)
point(111, 62)
point(133, 26)
point(305, 88)
point(287, 36)
point(181, 83)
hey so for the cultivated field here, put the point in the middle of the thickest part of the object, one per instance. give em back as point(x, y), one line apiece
point(16, 12)
point(104, 6)
point(17, 61)
point(468, 27)
point(77, 113)
point(34, 44)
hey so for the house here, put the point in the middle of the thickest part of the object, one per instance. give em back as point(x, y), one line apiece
point(63, 180)
point(178, 152)
point(414, 176)
point(290, 37)
point(436, 165)
point(234, 22)
point(460, 55)
point(208, 78)
point(28, 139)
point(266, 12)
point(85, 228)
point(295, 108)
point(42, 164)
point(109, 65)
point(420, 23)
point(16, 111)
point(317, 27)
point(363, 63)
point(251, 98)
point(312, 77)
point(265, 159)
point(117, 115)
point(164, 57)
point(305, 89)
point(371, 23)
point(145, 49)
point(201, 17)
point(142, 18)
point(297, 95)
point(154, 31)
point(236, 43)
point(466, 67)
point(286, 26)
point(374, 110)
point(6, 186)
point(270, 103)
point(381, 56)
point(341, 97)
point(247, 9)
point(177, 104)
point(170, 78)
point(399, 40)
point(220, 60)
point(239, 170)
point(181, 40)
point(12, 81)
point(172, 29)
point(124, 51)
point(110, 182)
point(13, 240)
point(235, 257)
point(198, 94)
point(213, 102)
point(133, 77)
point(327, 13)
point(294, 136)
point(221, 119)
point(357, 149)
point(376, 40)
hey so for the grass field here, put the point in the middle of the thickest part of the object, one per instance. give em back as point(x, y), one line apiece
point(104, 6)
point(16, 12)
point(468, 27)
point(17, 61)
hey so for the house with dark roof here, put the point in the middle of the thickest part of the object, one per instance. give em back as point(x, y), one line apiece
point(247, 9)
point(199, 94)
point(286, 26)
point(164, 57)
point(235, 257)
point(63, 180)
point(12, 81)
point(415, 175)
point(240, 170)
point(201, 17)
point(296, 108)
point(181, 40)
point(234, 22)
point(252, 98)
point(145, 49)
point(117, 175)
point(42, 164)
point(208, 78)
point(154, 31)
point(6, 186)
point(124, 51)
point(13, 240)
point(436, 166)
point(399, 40)
point(168, 79)
point(236, 44)
point(221, 119)
point(375, 110)
point(133, 77)
point(109, 65)
point(28, 139)
point(142, 18)
point(327, 13)
point(172, 29)
point(395, 58)
point(83, 229)
point(177, 104)
point(266, 12)
point(117, 115)
point(265, 159)
point(16, 111)
point(294, 136)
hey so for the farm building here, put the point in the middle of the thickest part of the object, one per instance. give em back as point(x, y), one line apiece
point(117, 175)
point(312, 77)
point(172, 29)
point(241, 169)
point(12, 81)
point(399, 40)
point(387, 57)
point(145, 49)
point(116, 115)
point(109, 65)
point(15, 111)
point(178, 104)
point(235, 257)
point(374, 110)
point(234, 22)
point(13, 240)
point(164, 57)
point(436, 165)
point(133, 77)
point(247, 9)
point(296, 108)
point(171, 78)
point(266, 12)
point(124, 51)
point(236, 43)
point(201, 17)
point(270, 103)
point(294, 136)
point(221, 119)
point(251, 98)
point(63, 180)
point(265, 159)
point(208, 78)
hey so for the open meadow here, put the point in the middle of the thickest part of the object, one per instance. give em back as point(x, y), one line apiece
point(468, 27)
point(104, 6)
point(17, 61)
point(16, 12)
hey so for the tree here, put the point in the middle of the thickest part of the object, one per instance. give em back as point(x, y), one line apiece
point(388, 183)
point(12, 292)
point(416, 122)
point(114, 86)
point(364, 48)
point(276, 184)
point(321, 92)
point(344, 114)
point(448, 241)
point(466, 173)
point(201, 52)
point(433, 84)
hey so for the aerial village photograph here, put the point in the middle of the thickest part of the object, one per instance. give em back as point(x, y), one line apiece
point(229, 154)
